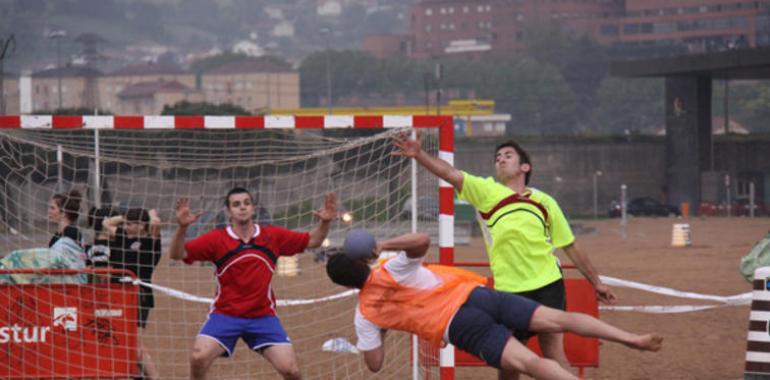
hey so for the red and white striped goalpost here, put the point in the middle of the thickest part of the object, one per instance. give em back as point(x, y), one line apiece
point(446, 152)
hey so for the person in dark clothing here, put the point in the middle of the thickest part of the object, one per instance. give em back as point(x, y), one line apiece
point(135, 246)
point(98, 253)
point(64, 209)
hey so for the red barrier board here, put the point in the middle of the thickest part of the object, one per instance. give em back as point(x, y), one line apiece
point(581, 351)
point(67, 331)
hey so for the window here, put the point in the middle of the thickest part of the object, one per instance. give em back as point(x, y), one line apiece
point(609, 30)
point(428, 11)
point(631, 29)
point(664, 27)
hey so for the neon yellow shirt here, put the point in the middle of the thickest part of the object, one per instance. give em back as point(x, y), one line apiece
point(519, 241)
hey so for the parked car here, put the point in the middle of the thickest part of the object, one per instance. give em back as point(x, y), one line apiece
point(644, 206)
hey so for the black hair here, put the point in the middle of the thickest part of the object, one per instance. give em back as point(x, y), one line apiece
point(523, 156)
point(69, 203)
point(138, 215)
point(236, 190)
point(97, 215)
point(343, 270)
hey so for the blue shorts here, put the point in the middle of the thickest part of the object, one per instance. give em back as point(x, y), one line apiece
point(258, 333)
point(483, 325)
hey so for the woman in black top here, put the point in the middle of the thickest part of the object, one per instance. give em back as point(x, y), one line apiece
point(64, 209)
point(135, 246)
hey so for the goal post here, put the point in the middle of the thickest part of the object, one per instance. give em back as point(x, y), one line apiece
point(287, 162)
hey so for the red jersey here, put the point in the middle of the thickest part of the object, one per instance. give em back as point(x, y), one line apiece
point(245, 269)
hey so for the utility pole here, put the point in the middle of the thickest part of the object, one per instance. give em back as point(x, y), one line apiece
point(426, 83)
point(58, 35)
point(4, 45)
point(439, 75)
point(596, 193)
point(327, 53)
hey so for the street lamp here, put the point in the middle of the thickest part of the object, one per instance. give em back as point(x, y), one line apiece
point(58, 35)
point(327, 53)
point(597, 174)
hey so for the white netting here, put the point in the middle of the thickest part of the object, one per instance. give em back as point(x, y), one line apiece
point(288, 172)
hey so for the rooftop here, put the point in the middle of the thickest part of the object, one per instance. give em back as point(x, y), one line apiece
point(147, 89)
point(249, 66)
point(67, 71)
point(149, 69)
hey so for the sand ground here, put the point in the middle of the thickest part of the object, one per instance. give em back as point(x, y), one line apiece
point(698, 345)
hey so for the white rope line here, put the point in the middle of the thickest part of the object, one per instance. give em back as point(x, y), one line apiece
point(738, 299)
point(191, 297)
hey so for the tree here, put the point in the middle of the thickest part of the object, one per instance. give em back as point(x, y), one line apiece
point(202, 65)
point(535, 94)
point(355, 74)
point(582, 62)
point(201, 109)
point(75, 111)
point(630, 104)
point(749, 103)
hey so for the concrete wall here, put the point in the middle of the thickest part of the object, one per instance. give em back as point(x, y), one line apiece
point(566, 169)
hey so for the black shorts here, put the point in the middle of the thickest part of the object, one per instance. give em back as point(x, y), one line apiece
point(552, 295)
point(484, 323)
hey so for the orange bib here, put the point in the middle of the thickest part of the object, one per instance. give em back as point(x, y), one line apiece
point(423, 312)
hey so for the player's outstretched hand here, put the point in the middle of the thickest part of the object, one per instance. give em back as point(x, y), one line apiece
point(184, 216)
point(407, 147)
point(154, 216)
point(605, 295)
point(329, 211)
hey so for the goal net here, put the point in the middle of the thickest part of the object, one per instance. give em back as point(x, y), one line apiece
point(287, 170)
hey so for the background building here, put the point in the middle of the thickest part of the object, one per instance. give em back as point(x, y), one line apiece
point(697, 25)
point(149, 77)
point(256, 86)
point(78, 88)
point(9, 102)
point(149, 98)
point(470, 28)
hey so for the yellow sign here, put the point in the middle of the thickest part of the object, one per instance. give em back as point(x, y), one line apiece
point(454, 108)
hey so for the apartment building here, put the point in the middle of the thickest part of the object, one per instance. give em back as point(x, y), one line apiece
point(149, 98)
point(476, 28)
point(697, 25)
point(140, 78)
point(257, 86)
point(65, 87)
point(9, 101)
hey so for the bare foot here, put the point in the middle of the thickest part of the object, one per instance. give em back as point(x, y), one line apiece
point(648, 342)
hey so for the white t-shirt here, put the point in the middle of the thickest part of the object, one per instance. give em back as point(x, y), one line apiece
point(405, 271)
